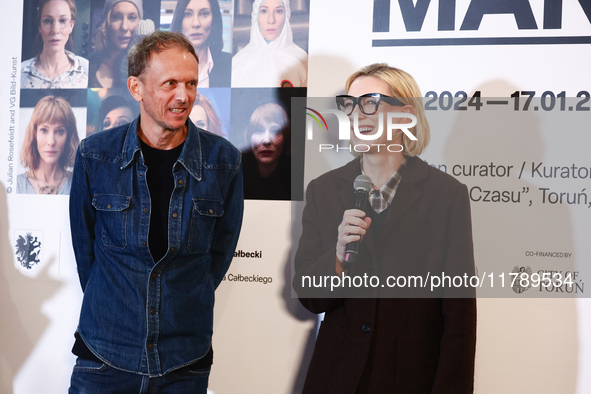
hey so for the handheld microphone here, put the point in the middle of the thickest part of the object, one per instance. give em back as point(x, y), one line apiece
point(363, 185)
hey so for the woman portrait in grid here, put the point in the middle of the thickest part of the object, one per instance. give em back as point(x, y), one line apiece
point(49, 148)
point(56, 66)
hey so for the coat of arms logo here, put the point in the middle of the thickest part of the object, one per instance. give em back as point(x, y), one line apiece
point(28, 250)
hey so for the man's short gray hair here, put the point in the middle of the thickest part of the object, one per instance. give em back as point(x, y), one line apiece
point(138, 58)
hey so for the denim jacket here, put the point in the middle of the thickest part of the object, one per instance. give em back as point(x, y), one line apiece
point(140, 315)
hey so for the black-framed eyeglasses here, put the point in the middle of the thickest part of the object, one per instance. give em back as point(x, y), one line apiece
point(368, 103)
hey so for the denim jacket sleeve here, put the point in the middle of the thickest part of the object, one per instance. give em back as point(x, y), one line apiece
point(227, 230)
point(82, 218)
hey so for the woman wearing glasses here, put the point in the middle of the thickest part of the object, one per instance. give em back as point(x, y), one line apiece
point(55, 67)
point(270, 59)
point(376, 337)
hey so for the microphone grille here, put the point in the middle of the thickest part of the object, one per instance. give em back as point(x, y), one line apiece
point(363, 182)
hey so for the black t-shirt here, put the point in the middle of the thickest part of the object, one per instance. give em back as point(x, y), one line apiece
point(160, 184)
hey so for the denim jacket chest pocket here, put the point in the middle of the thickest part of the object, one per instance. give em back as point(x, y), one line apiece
point(112, 210)
point(203, 218)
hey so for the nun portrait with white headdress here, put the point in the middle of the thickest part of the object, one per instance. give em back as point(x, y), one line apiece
point(270, 59)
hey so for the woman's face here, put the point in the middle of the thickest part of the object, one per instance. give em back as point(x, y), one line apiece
point(56, 25)
point(271, 18)
point(123, 20)
point(369, 124)
point(267, 142)
point(51, 139)
point(197, 22)
point(199, 117)
point(117, 117)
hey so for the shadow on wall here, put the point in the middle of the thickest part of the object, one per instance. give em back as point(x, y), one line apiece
point(21, 297)
point(532, 343)
point(294, 307)
point(314, 164)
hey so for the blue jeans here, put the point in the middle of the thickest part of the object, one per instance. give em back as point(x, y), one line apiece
point(91, 377)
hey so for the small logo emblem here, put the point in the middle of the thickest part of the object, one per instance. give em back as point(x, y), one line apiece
point(523, 279)
point(28, 251)
point(316, 119)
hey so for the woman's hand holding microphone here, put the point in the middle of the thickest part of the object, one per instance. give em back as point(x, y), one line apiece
point(352, 228)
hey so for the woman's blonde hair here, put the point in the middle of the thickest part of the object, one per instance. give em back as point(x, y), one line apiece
point(50, 109)
point(404, 87)
point(101, 40)
point(265, 114)
point(214, 122)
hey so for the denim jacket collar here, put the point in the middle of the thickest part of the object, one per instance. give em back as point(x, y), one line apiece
point(190, 156)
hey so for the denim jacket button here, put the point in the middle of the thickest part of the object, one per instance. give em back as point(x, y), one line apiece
point(143, 244)
point(150, 346)
point(174, 215)
point(173, 249)
point(153, 311)
point(154, 275)
point(180, 181)
point(145, 209)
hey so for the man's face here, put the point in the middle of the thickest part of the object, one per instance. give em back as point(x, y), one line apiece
point(167, 89)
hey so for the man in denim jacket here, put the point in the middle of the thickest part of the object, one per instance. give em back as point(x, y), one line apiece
point(155, 210)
